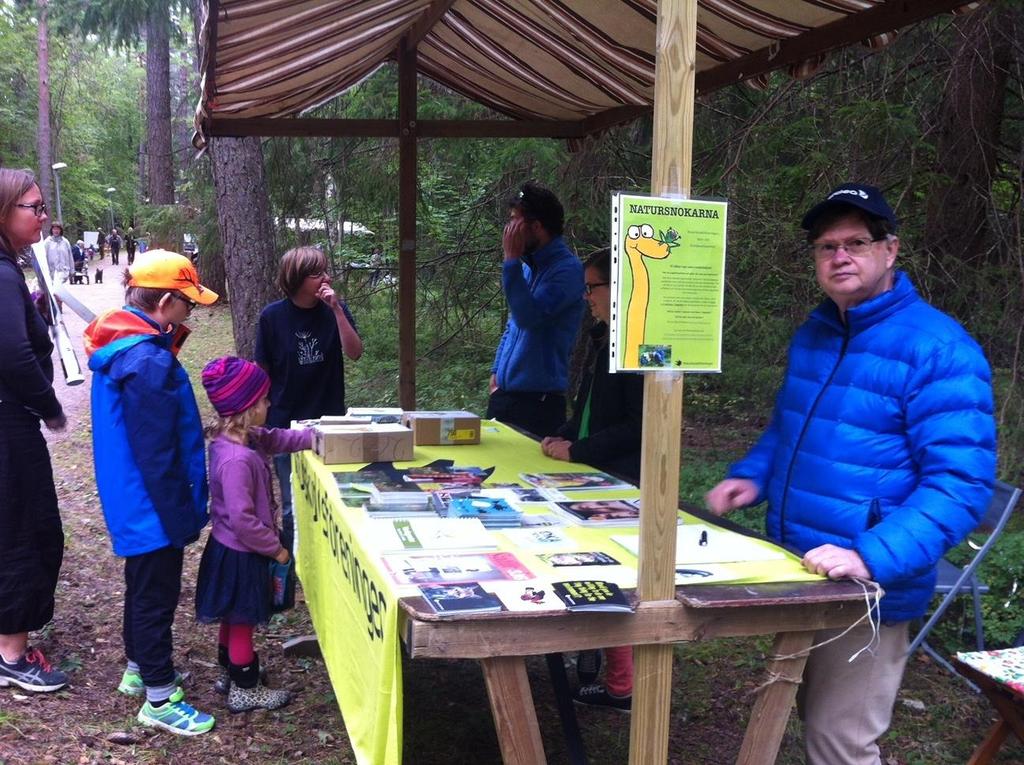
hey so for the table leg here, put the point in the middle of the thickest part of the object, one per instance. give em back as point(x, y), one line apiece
point(988, 748)
point(771, 709)
point(566, 711)
point(515, 717)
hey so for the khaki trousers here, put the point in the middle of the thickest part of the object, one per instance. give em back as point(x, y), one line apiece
point(846, 706)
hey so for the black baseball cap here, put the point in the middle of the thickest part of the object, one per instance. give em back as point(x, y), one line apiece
point(866, 198)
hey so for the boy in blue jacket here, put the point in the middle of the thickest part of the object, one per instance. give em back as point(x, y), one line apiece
point(880, 456)
point(149, 455)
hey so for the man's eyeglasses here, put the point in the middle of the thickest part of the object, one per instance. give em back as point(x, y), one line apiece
point(855, 247)
point(190, 303)
point(39, 208)
point(588, 289)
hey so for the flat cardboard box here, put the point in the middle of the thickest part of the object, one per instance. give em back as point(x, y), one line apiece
point(343, 444)
point(443, 428)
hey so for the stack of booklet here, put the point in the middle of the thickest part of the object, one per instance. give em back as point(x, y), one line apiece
point(492, 512)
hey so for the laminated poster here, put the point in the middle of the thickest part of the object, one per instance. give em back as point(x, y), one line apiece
point(668, 283)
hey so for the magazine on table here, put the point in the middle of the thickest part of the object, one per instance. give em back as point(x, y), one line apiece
point(460, 598)
point(602, 512)
point(527, 597)
point(592, 595)
point(572, 481)
point(585, 558)
point(455, 567)
point(430, 533)
point(523, 494)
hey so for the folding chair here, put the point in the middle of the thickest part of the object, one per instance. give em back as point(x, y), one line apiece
point(954, 581)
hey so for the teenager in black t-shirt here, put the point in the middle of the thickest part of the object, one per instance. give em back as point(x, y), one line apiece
point(301, 342)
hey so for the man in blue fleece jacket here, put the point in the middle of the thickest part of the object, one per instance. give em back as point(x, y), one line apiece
point(543, 281)
point(880, 456)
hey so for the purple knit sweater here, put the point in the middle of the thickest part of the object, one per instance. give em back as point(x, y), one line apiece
point(242, 509)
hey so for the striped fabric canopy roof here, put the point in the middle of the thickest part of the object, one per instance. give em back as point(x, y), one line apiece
point(564, 60)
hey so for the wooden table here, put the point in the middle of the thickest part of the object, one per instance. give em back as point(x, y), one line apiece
point(793, 612)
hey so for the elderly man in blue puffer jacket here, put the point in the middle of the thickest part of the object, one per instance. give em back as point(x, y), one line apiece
point(879, 457)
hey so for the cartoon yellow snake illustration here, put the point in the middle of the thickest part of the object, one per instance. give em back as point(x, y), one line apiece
point(640, 243)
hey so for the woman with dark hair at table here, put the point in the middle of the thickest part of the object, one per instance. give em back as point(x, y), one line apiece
point(31, 535)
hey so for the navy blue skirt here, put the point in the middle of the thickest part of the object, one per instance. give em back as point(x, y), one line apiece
point(233, 586)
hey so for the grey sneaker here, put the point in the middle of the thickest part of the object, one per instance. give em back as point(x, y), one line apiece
point(588, 666)
point(258, 697)
point(33, 673)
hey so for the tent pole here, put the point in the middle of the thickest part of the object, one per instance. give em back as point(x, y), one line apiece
point(407, 184)
point(675, 73)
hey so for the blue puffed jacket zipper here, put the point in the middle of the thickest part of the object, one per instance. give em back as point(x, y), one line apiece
point(803, 432)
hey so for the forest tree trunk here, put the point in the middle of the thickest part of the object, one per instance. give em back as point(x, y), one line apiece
point(44, 135)
point(243, 217)
point(969, 121)
point(158, 105)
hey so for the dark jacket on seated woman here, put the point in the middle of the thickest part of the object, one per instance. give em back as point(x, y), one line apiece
point(611, 439)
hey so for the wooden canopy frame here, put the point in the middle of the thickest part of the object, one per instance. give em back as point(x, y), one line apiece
point(677, 83)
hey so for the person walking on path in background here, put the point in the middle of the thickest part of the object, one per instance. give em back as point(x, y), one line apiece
point(101, 239)
point(150, 469)
point(234, 588)
point(130, 244)
point(542, 280)
point(31, 533)
point(115, 247)
point(59, 258)
point(302, 342)
point(879, 457)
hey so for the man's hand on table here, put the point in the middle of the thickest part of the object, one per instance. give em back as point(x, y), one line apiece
point(835, 562)
point(731, 494)
point(556, 448)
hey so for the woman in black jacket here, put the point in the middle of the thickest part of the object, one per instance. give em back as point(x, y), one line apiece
point(604, 430)
point(31, 535)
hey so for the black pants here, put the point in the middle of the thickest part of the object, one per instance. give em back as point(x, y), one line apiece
point(131, 255)
point(152, 587)
point(541, 414)
point(114, 253)
point(31, 535)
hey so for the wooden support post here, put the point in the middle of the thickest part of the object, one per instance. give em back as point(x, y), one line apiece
point(515, 717)
point(675, 70)
point(407, 185)
point(771, 709)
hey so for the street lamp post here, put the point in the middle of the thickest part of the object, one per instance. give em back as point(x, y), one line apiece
point(57, 167)
point(110, 202)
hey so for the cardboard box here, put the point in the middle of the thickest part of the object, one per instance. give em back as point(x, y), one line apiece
point(343, 444)
point(443, 428)
point(383, 414)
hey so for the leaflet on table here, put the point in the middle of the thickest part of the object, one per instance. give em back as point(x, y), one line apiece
point(667, 283)
point(699, 543)
point(602, 512)
point(432, 533)
point(573, 481)
point(466, 567)
point(466, 597)
point(531, 596)
point(542, 538)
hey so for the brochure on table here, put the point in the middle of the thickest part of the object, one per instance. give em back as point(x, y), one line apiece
point(668, 283)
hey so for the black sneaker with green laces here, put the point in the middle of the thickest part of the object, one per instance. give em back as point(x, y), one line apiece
point(598, 696)
point(32, 672)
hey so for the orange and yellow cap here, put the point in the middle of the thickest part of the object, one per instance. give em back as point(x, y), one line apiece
point(167, 270)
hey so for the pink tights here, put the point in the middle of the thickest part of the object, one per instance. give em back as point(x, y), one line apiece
point(237, 638)
point(618, 673)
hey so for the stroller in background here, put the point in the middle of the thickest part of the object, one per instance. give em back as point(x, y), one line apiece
point(81, 273)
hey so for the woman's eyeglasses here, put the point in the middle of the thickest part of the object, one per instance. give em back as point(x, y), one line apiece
point(588, 289)
point(190, 303)
point(38, 209)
